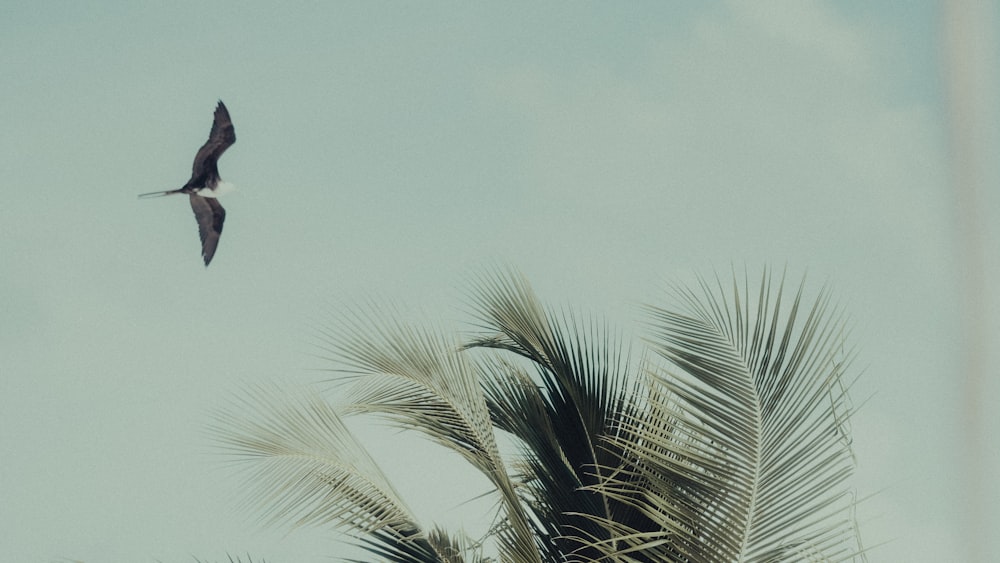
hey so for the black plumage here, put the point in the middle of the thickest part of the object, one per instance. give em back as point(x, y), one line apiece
point(201, 188)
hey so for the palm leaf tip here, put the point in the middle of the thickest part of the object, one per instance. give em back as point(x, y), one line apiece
point(305, 467)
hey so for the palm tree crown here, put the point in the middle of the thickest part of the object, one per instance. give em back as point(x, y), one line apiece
point(721, 437)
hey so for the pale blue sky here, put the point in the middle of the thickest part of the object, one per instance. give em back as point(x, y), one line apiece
point(393, 149)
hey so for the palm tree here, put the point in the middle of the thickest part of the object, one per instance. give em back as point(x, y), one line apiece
point(722, 436)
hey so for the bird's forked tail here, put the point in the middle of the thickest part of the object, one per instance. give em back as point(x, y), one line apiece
point(160, 194)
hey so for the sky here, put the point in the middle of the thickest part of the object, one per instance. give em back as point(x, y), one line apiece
point(391, 150)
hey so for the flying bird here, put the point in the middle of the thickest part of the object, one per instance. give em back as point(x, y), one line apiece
point(205, 184)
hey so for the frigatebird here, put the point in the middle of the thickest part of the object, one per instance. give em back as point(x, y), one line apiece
point(205, 184)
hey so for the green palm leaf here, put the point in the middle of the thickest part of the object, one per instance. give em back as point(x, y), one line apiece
point(727, 442)
point(305, 467)
point(743, 454)
point(561, 404)
point(420, 380)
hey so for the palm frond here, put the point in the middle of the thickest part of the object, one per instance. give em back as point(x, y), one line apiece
point(230, 559)
point(437, 546)
point(305, 467)
point(728, 441)
point(420, 380)
point(743, 455)
point(456, 549)
point(581, 385)
point(446, 548)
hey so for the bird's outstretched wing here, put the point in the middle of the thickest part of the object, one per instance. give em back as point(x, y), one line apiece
point(222, 137)
point(210, 216)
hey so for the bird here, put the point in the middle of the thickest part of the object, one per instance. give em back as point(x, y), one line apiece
point(205, 185)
